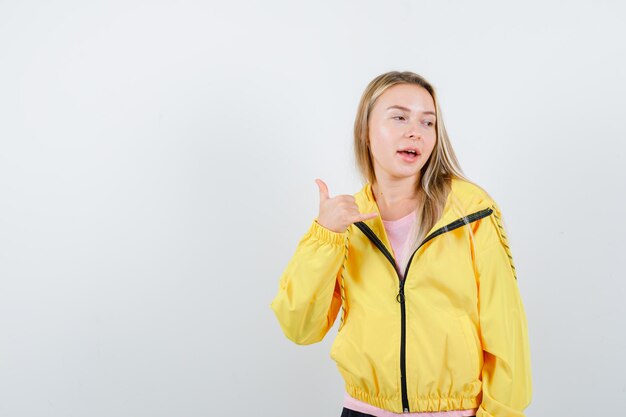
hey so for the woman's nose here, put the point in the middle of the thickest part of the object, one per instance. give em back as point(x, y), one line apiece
point(412, 131)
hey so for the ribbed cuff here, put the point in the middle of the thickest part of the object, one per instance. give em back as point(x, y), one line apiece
point(326, 235)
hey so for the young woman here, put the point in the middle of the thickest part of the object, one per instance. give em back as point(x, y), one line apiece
point(432, 321)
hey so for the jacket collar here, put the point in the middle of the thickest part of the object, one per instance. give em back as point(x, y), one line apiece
point(464, 198)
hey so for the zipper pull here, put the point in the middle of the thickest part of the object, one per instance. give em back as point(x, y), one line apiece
point(400, 296)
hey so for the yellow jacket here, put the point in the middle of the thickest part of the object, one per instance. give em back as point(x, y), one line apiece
point(452, 335)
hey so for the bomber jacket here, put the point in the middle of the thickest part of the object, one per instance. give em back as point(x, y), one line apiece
point(452, 335)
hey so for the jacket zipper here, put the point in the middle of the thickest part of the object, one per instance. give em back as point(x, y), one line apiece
point(400, 297)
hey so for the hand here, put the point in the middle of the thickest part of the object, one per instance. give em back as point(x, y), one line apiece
point(339, 212)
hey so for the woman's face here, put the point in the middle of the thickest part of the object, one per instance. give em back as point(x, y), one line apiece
point(403, 117)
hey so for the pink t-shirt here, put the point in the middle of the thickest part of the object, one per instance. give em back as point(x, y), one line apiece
point(398, 234)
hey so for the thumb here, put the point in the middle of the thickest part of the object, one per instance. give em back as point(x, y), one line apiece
point(323, 189)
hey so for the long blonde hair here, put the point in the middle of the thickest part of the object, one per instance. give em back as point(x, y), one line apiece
point(442, 165)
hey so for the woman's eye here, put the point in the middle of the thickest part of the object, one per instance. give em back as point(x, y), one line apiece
point(427, 122)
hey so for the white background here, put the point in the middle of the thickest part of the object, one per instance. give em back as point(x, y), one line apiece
point(157, 169)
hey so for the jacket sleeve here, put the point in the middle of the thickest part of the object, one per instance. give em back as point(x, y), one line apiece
point(309, 295)
point(506, 373)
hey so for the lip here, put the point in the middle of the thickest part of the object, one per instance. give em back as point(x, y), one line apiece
point(410, 148)
point(407, 158)
point(417, 151)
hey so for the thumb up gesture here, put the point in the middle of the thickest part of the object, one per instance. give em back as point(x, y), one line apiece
point(339, 212)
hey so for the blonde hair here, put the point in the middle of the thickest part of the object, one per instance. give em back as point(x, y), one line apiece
point(441, 167)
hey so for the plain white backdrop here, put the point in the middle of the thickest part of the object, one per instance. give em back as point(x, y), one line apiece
point(157, 166)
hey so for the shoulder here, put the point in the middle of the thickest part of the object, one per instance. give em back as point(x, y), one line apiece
point(490, 231)
point(365, 199)
point(469, 195)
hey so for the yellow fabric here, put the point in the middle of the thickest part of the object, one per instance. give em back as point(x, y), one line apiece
point(466, 331)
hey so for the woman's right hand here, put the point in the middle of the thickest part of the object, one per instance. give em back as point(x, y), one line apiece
point(339, 212)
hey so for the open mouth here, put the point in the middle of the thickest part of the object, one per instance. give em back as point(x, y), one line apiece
point(408, 155)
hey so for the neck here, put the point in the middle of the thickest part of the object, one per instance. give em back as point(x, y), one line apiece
point(395, 193)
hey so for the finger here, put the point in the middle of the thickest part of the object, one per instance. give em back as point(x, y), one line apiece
point(367, 216)
point(323, 189)
point(345, 197)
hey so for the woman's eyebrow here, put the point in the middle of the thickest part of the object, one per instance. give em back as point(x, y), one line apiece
point(408, 110)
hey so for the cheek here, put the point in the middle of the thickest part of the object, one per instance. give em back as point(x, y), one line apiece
point(380, 142)
point(431, 141)
point(429, 145)
point(377, 148)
